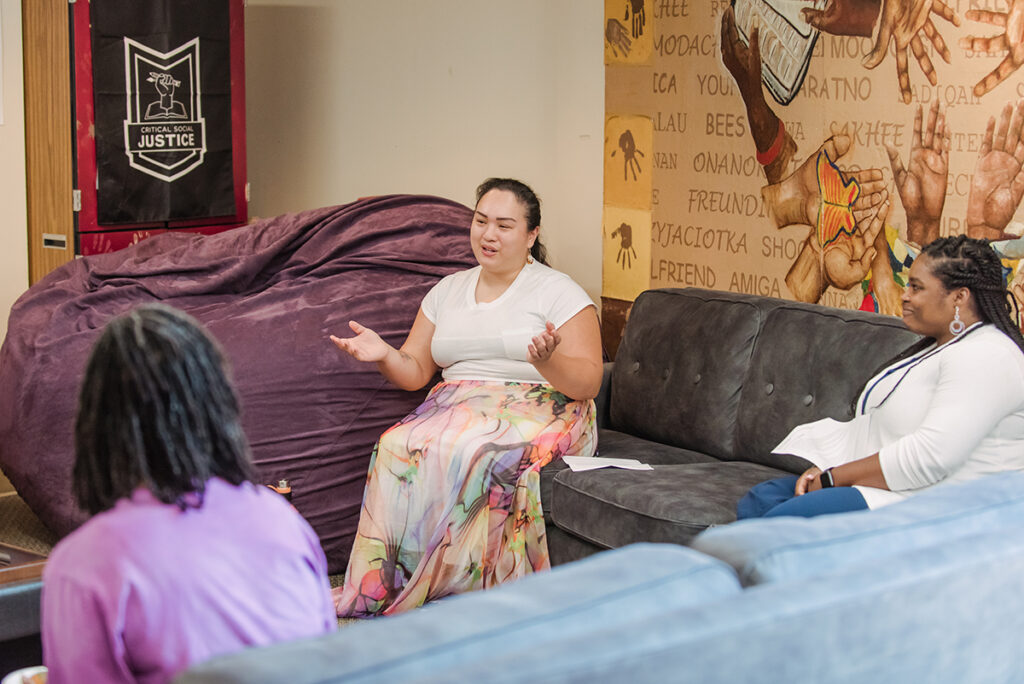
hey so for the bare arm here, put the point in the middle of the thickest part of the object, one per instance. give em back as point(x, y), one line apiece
point(570, 357)
point(410, 367)
point(866, 472)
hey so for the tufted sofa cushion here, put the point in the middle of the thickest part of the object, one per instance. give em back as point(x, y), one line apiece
point(679, 371)
point(809, 362)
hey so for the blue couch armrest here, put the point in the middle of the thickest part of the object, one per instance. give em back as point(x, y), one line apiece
point(633, 583)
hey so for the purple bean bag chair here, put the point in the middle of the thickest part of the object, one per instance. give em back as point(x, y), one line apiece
point(271, 293)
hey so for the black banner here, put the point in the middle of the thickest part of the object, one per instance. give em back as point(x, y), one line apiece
point(162, 92)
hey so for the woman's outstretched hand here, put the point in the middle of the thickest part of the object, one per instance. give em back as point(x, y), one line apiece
point(542, 346)
point(365, 346)
point(806, 482)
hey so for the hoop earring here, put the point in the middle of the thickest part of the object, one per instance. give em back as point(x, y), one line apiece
point(956, 326)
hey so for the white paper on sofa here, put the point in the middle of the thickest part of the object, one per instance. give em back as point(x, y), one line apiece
point(578, 463)
point(827, 442)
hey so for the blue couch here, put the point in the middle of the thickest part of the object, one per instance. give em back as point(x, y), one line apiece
point(926, 590)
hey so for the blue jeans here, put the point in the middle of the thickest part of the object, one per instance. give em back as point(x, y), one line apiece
point(775, 497)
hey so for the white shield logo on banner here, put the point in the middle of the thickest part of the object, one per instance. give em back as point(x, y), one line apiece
point(165, 133)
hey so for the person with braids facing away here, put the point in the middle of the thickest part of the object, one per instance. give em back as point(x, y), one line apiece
point(949, 409)
point(452, 499)
point(185, 557)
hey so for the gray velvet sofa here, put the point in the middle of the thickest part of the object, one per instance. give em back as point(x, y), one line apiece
point(703, 386)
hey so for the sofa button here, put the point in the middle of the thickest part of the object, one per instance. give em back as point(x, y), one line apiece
point(636, 366)
point(664, 374)
point(696, 378)
point(808, 400)
point(769, 388)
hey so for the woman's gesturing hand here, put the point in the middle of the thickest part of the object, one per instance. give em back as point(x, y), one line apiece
point(365, 346)
point(542, 346)
point(805, 483)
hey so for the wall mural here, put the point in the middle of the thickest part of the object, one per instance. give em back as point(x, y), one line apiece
point(806, 149)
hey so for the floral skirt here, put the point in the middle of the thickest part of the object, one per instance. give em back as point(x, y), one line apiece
point(452, 499)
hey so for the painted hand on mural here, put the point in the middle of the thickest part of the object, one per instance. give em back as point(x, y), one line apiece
point(629, 154)
point(901, 23)
point(847, 262)
point(744, 64)
point(998, 182)
point(797, 199)
point(922, 183)
point(639, 16)
point(844, 263)
point(1010, 43)
point(618, 38)
point(626, 251)
point(844, 17)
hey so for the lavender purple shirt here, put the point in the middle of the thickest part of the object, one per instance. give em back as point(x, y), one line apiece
point(143, 590)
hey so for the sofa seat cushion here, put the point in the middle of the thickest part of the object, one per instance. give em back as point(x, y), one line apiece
point(632, 584)
point(612, 507)
point(615, 444)
point(787, 549)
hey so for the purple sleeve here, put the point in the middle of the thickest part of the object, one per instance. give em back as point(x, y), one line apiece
point(81, 638)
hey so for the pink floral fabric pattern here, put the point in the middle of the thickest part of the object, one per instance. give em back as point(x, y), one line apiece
point(452, 500)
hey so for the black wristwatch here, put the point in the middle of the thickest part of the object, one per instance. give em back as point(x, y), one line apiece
point(826, 479)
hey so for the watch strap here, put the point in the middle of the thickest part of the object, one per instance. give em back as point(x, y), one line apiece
point(826, 479)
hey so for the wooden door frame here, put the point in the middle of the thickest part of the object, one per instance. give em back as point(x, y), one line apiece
point(48, 135)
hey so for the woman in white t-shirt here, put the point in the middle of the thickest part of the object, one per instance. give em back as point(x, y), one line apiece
point(950, 409)
point(452, 501)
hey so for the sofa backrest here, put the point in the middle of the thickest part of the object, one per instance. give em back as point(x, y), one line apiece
point(680, 367)
point(638, 583)
point(787, 549)
point(729, 374)
point(945, 614)
point(809, 362)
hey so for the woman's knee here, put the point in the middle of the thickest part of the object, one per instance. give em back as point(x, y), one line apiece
point(821, 502)
point(764, 496)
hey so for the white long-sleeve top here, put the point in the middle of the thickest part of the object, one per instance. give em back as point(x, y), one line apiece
point(947, 414)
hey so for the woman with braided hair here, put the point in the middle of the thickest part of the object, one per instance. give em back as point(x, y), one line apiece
point(949, 409)
point(184, 557)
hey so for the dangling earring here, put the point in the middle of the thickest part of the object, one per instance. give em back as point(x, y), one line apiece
point(529, 257)
point(956, 326)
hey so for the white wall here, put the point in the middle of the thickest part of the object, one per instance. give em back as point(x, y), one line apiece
point(14, 224)
point(347, 98)
point(13, 221)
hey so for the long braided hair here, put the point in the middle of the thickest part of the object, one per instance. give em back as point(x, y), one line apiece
point(156, 409)
point(960, 261)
